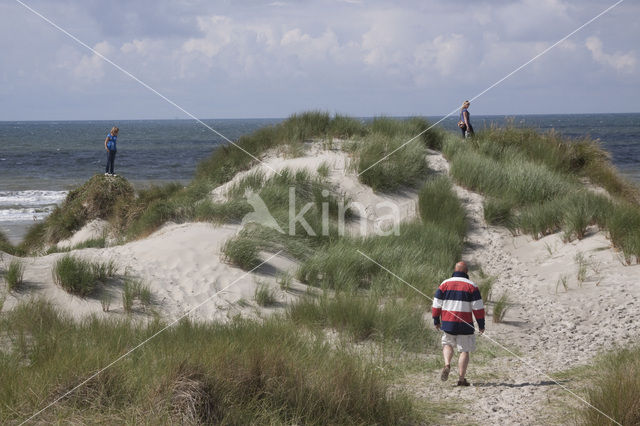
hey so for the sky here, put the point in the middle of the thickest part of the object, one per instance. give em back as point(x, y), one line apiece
point(247, 58)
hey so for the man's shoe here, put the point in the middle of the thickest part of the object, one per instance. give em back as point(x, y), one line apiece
point(445, 373)
point(463, 382)
point(106, 174)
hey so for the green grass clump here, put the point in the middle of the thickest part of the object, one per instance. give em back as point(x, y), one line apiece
point(519, 181)
point(80, 277)
point(5, 244)
point(615, 389)
point(133, 290)
point(500, 308)
point(149, 212)
point(100, 242)
point(405, 167)
point(408, 129)
point(623, 224)
point(241, 251)
point(323, 170)
point(284, 281)
point(241, 372)
point(499, 212)
point(264, 296)
point(344, 127)
point(14, 275)
point(582, 209)
point(439, 204)
point(365, 317)
point(542, 219)
point(581, 264)
point(485, 285)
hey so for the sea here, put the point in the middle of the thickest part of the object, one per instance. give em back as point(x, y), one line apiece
point(40, 161)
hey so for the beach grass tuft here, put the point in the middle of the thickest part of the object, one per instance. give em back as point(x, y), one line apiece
point(615, 389)
point(81, 277)
point(5, 244)
point(264, 295)
point(241, 251)
point(438, 204)
point(498, 212)
point(14, 275)
point(485, 285)
point(385, 172)
point(500, 308)
point(132, 290)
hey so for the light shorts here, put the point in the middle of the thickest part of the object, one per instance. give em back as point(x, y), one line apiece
point(463, 342)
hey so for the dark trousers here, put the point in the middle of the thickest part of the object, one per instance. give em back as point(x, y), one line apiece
point(111, 157)
point(464, 129)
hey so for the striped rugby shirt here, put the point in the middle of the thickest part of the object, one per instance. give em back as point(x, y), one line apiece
point(455, 301)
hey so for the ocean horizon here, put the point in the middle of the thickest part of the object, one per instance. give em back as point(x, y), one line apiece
point(40, 161)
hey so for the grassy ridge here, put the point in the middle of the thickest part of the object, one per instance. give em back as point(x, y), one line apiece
point(533, 186)
point(575, 157)
point(239, 373)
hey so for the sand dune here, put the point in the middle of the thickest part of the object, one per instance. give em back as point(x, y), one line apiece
point(548, 326)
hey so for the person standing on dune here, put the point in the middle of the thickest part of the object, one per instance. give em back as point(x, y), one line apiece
point(465, 120)
point(456, 302)
point(110, 146)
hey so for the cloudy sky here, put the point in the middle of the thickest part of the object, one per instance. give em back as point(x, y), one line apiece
point(249, 58)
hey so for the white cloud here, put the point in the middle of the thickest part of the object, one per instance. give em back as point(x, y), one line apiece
point(311, 48)
point(90, 68)
point(625, 62)
point(217, 35)
point(142, 46)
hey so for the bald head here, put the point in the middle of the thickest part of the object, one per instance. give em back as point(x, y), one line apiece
point(461, 267)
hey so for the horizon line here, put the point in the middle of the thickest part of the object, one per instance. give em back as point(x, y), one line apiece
point(285, 117)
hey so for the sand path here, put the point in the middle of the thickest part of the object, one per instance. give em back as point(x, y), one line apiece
point(550, 329)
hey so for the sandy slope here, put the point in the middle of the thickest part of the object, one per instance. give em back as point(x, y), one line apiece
point(180, 263)
point(552, 328)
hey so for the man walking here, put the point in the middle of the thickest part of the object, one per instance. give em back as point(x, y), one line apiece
point(456, 300)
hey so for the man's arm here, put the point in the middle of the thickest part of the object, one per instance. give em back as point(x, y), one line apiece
point(478, 308)
point(436, 308)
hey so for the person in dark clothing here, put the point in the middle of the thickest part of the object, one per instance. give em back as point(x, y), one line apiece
point(465, 121)
point(110, 146)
